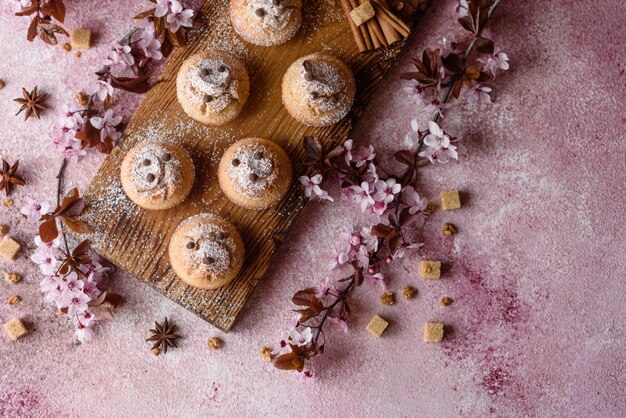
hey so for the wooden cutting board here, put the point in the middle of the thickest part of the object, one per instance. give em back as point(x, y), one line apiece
point(136, 240)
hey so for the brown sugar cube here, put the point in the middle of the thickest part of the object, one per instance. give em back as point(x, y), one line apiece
point(15, 328)
point(387, 298)
point(80, 38)
point(7, 202)
point(12, 278)
point(3, 230)
point(433, 332)
point(377, 326)
point(430, 269)
point(8, 248)
point(450, 199)
point(363, 13)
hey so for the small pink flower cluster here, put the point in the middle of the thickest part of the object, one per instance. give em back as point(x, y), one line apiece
point(74, 291)
point(139, 49)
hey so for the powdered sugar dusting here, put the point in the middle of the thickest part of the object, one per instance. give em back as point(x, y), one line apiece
point(253, 169)
point(208, 247)
point(211, 85)
point(266, 22)
point(154, 172)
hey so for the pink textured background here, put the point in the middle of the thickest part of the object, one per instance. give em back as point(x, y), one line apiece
point(537, 270)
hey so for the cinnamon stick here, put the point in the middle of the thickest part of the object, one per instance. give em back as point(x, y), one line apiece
point(356, 32)
point(394, 20)
point(390, 33)
point(364, 32)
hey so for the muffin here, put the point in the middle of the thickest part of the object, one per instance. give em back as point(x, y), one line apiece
point(206, 251)
point(318, 89)
point(266, 22)
point(157, 175)
point(255, 173)
point(212, 87)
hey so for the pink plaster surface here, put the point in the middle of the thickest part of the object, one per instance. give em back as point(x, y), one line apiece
point(537, 270)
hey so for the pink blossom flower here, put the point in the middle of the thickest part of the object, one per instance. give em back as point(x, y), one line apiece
point(51, 287)
point(101, 88)
point(378, 279)
point(107, 125)
point(386, 190)
point(363, 155)
point(312, 188)
point(121, 55)
point(438, 145)
point(163, 7)
point(47, 256)
point(34, 210)
point(179, 17)
point(347, 147)
point(362, 195)
point(300, 338)
point(370, 242)
point(371, 175)
point(150, 46)
point(461, 7)
point(400, 252)
point(340, 257)
point(83, 322)
point(76, 302)
point(496, 61)
point(326, 292)
point(417, 204)
point(20, 5)
point(478, 94)
point(411, 140)
point(73, 150)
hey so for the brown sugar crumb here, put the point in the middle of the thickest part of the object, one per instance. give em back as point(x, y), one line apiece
point(3, 230)
point(1, 84)
point(433, 332)
point(409, 292)
point(431, 207)
point(7, 202)
point(450, 199)
point(214, 343)
point(155, 352)
point(430, 269)
point(12, 278)
point(445, 301)
point(448, 230)
point(15, 329)
point(67, 47)
point(81, 98)
point(377, 326)
point(77, 54)
point(266, 354)
point(387, 298)
point(9, 248)
point(13, 300)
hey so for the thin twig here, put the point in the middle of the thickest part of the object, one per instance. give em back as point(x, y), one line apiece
point(328, 309)
point(59, 183)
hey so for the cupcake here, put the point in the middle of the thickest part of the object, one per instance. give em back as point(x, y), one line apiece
point(255, 173)
point(212, 87)
point(157, 175)
point(266, 22)
point(206, 251)
point(318, 89)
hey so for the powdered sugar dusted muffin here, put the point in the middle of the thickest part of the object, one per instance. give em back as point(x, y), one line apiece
point(255, 173)
point(266, 22)
point(212, 87)
point(206, 251)
point(157, 175)
point(318, 89)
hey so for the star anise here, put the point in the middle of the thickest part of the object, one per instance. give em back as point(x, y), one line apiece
point(8, 176)
point(32, 103)
point(163, 335)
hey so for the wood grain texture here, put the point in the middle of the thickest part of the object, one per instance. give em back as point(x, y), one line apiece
point(136, 240)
